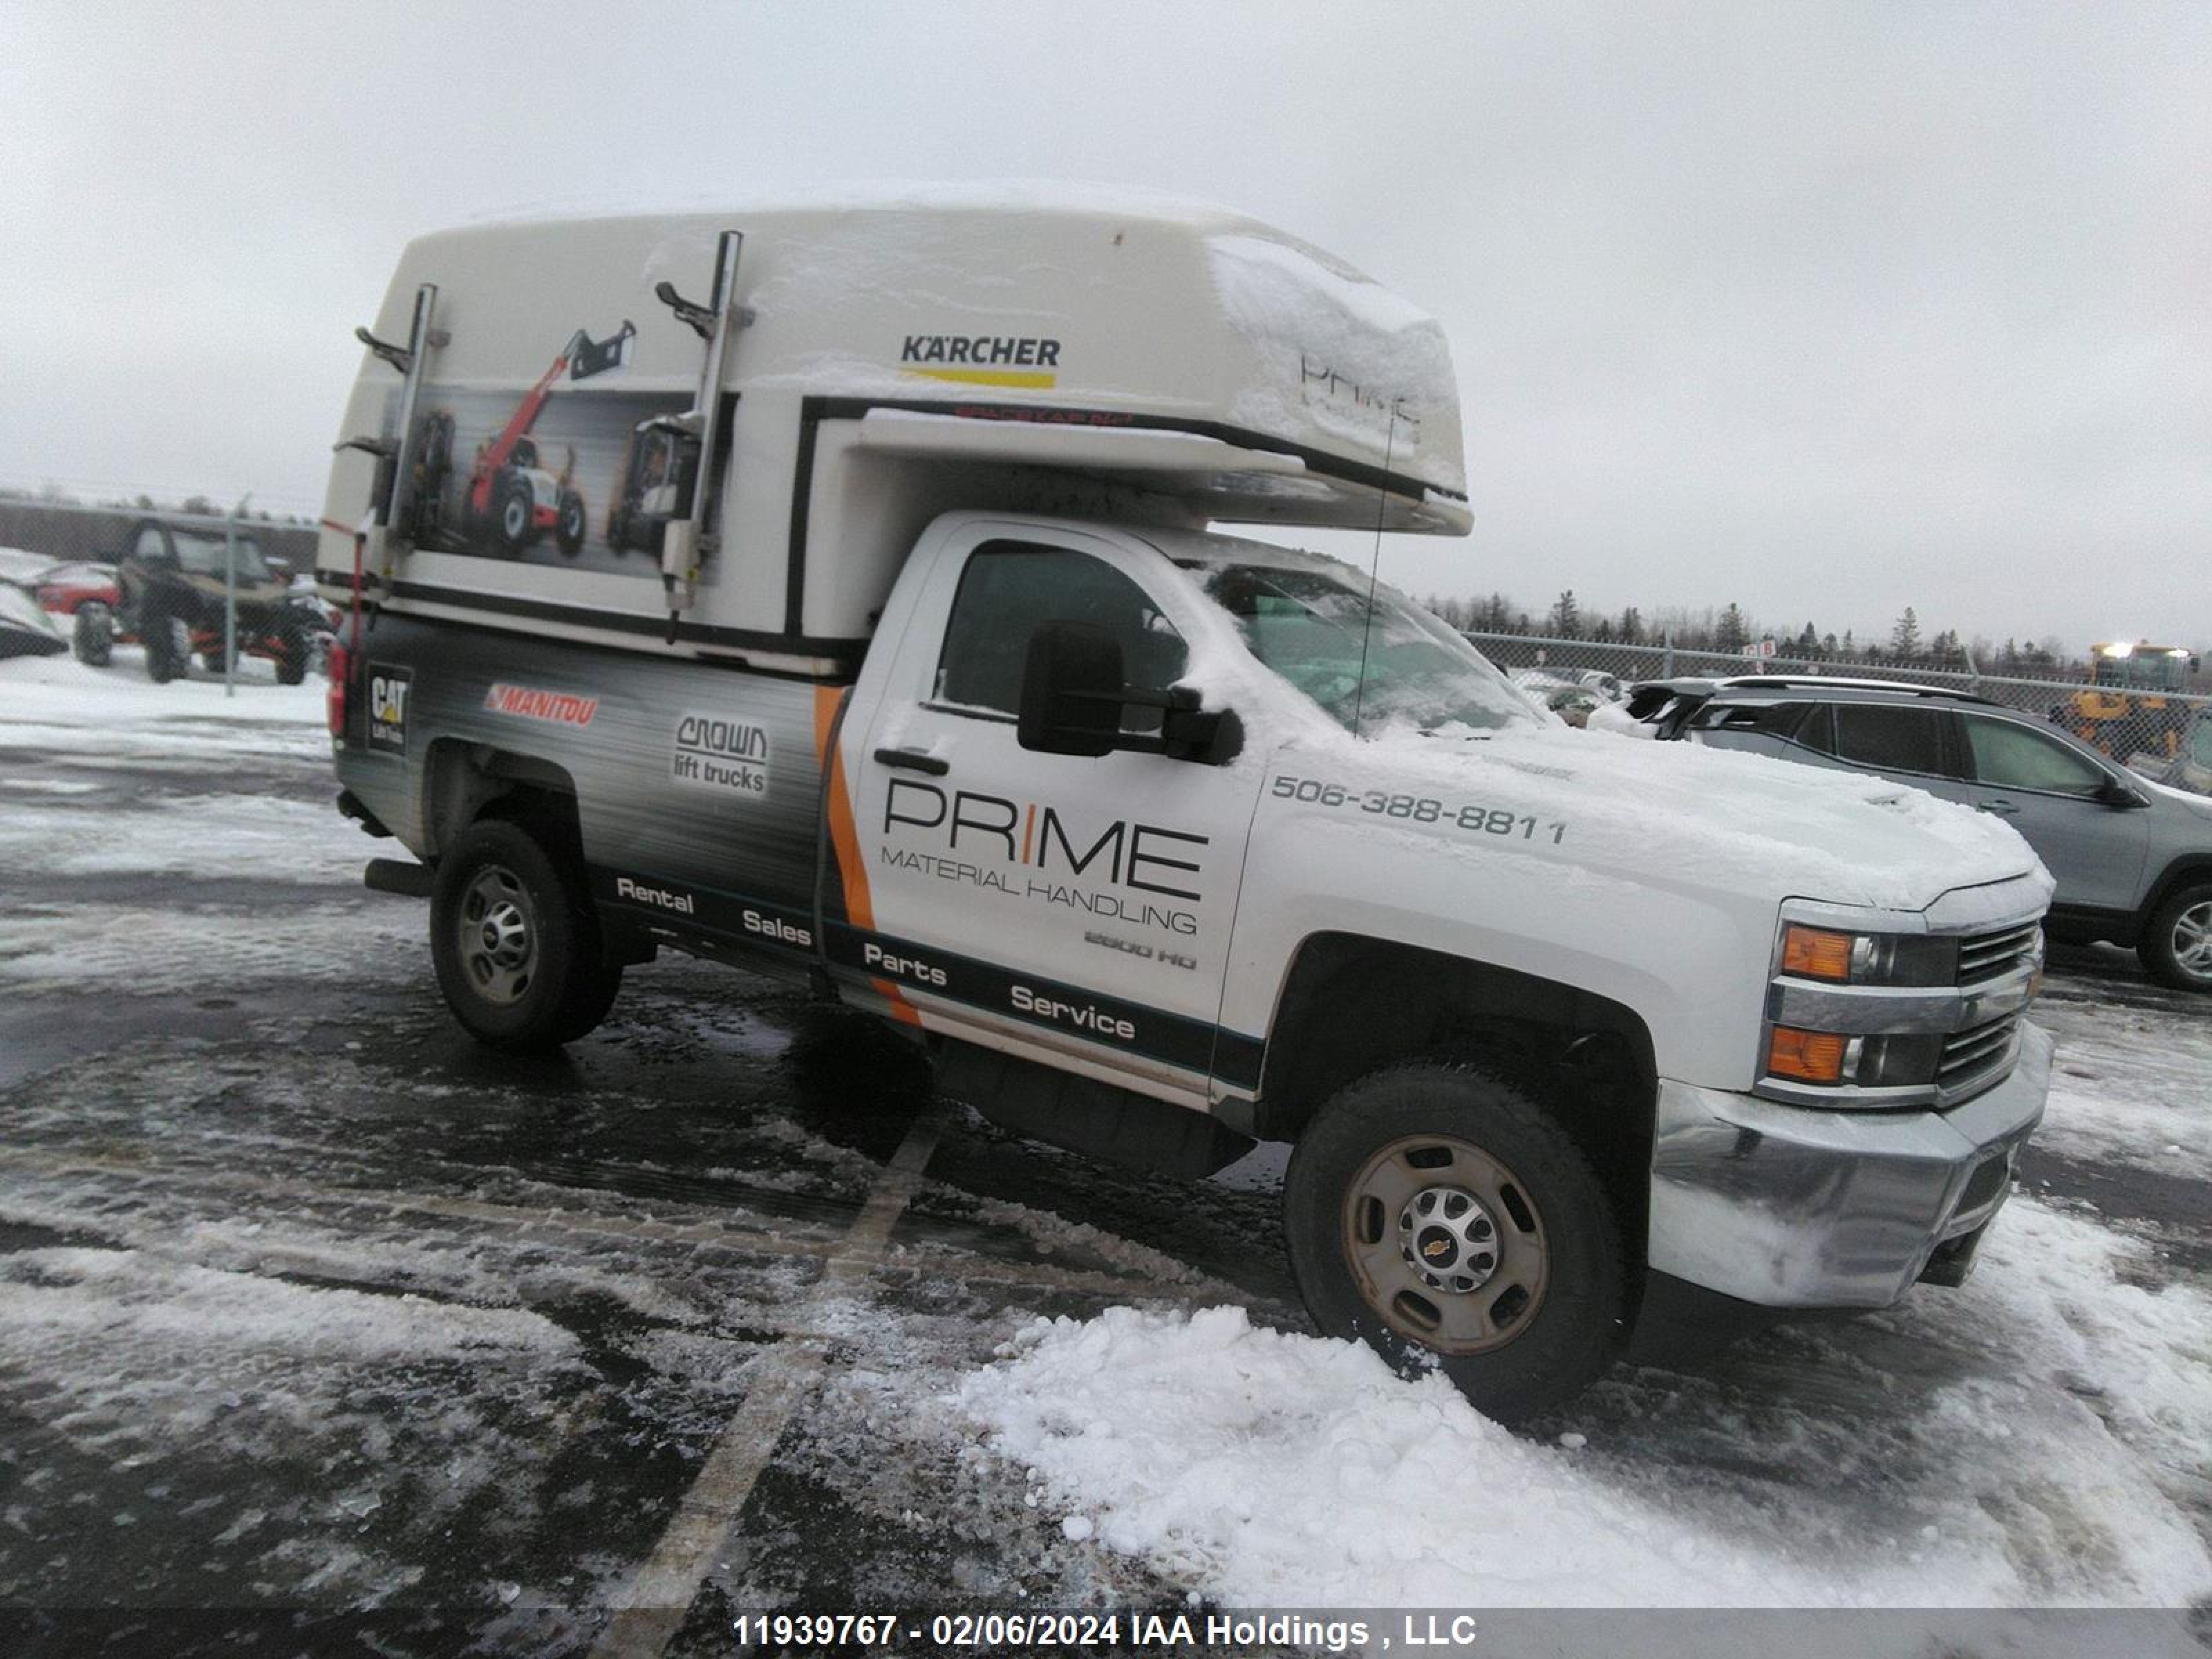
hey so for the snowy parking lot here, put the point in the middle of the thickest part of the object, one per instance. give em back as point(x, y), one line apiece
point(306, 1302)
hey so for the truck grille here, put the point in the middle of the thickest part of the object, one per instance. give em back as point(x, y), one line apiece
point(1968, 1054)
point(1992, 955)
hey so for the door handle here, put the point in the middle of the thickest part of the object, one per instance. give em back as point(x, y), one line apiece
point(914, 760)
point(2003, 809)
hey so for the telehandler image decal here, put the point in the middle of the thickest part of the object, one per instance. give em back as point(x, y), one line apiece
point(551, 472)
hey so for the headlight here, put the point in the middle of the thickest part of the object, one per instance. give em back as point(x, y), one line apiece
point(1841, 959)
point(1874, 1061)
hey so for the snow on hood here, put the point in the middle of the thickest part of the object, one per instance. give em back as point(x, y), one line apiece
point(1716, 818)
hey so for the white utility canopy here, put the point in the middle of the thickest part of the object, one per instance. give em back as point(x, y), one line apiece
point(721, 432)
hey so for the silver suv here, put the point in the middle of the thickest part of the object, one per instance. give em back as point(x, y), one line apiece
point(2132, 859)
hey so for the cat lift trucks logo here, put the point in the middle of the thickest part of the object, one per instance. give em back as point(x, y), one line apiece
point(388, 708)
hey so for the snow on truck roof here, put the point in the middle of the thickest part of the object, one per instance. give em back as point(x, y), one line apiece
point(1078, 309)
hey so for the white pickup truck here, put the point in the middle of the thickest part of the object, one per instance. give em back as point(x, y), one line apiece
point(1161, 840)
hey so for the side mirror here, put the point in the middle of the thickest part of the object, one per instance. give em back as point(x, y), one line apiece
point(2116, 793)
point(1073, 698)
point(1071, 690)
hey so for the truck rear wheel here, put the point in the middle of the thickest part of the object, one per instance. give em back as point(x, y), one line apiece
point(1444, 1217)
point(2177, 944)
point(516, 942)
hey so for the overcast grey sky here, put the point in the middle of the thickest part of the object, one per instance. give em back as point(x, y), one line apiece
point(1828, 309)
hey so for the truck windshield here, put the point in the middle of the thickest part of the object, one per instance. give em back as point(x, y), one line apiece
point(203, 556)
point(1311, 625)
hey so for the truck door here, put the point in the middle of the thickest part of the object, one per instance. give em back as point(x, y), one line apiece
point(1043, 903)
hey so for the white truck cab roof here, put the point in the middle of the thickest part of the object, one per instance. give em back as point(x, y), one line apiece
point(1139, 358)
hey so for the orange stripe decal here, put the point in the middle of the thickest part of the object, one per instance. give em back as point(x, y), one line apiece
point(844, 837)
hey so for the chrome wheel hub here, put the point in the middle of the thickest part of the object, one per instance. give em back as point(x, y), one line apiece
point(498, 935)
point(1447, 1238)
point(2192, 940)
point(1445, 1244)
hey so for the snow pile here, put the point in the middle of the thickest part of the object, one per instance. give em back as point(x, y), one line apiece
point(1266, 1468)
point(19, 565)
point(1272, 1469)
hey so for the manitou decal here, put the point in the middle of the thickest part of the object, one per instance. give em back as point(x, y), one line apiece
point(1037, 852)
point(388, 690)
point(527, 702)
point(712, 752)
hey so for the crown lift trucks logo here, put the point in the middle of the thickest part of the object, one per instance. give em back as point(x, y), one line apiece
point(711, 752)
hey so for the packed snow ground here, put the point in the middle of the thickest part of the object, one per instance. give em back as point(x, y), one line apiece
point(291, 1291)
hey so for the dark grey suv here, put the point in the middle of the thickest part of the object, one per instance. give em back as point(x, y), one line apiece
point(2132, 859)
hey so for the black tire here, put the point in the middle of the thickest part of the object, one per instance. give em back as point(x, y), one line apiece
point(293, 654)
point(513, 516)
point(1461, 1129)
point(569, 529)
point(552, 990)
point(158, 632)
point(2176, 949)
point(92, 637)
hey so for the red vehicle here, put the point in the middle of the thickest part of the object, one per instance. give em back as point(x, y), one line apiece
point(65, 587)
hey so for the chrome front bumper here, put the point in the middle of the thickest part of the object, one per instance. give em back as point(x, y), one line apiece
point(1795, 1206)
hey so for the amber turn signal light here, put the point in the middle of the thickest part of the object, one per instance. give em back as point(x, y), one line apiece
point(1816, 953)
point(1808, 1056)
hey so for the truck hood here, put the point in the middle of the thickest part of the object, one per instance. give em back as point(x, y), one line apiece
point(1683, 814)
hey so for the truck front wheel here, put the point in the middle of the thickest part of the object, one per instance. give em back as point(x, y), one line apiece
point(1444, 1217)
point(516, 942)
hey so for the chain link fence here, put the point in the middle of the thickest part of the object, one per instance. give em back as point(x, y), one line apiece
point(207, 594)
point(2156, 728)
point(69, 532)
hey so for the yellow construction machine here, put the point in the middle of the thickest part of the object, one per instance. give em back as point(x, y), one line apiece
point(2130, 706)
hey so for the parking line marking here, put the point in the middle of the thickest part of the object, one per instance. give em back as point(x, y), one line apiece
point(651, 1605)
